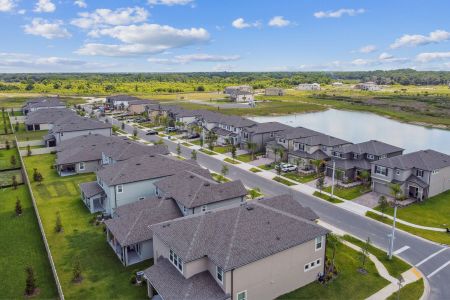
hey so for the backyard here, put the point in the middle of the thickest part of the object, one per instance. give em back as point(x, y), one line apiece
point(5, 158)
point(24, 135)
point(103, 275)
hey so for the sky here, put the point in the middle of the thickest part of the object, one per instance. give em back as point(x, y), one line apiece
point(223, 35)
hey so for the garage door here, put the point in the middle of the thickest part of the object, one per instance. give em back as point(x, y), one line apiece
point(381, 187)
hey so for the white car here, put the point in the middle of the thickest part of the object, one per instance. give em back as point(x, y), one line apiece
point(288, 167)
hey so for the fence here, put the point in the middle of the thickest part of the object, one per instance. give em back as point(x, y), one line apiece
point(31, 143)
point(38, 151)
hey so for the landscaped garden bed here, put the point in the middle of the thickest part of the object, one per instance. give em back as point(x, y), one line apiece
point(206, 151)
point(255, 170)
point(231, 161)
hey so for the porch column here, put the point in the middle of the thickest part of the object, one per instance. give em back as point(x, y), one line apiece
point(125, 254)
point(149, 289)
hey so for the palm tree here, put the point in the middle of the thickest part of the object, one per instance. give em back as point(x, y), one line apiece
point(333, 241)
point(251, 146)
point(396, 191)
point(275, 153)
point(317, 163)
point(364, 176)
point(282, 152)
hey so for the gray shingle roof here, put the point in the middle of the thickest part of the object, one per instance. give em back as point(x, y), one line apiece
point(46, 102)
point(321, 139)
point(223, 132)
point(267, 127)
point(77, 123)
point(318, 154)
point(121, 98)
point(171, 284)
point(132, 222)
point(144, 167)
point(237, 236)
point(193, 190)
point(347, 164)
point(91, 188)
point(414, 179)
point(47, 116)
point(424, 159)
point(296, 133)
point(370, 147)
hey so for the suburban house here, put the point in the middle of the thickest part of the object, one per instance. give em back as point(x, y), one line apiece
point(368, 86)
point(120, 102)
point(421, 174)
point(186, 118)
point(351, 160)
point(260, 134)
point(129, 181)
point(42, 103)
point(241, 88)
point(138, 106)
point(73, 126)
point(129, 233)
point(308, 87)
point(274, 92)
point(337, 84)
point(316, 147)
point(258, 250)
point(44, 119)
point(88, 153)
point(196, 192)
point(242, 96)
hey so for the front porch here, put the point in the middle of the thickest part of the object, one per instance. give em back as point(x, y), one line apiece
point(66, 170)
point(128, 255)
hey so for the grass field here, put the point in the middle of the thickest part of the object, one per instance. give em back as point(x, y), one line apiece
point(439, 237)
point(5, 158)
point(24, 135)
point(246, 157)
point(348, 193)
point(412, 291)
point(433, 212)
point(328, 198)
point(104, 275)
point(300, 178)
point(349, 284)
point(22, 246)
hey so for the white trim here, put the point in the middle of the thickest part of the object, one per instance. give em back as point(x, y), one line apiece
point(242, 292)
point(221, 274)
point(119, 190)
point(316, 242)
point(82, 166)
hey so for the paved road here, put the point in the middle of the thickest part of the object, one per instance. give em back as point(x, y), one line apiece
point(431, 259)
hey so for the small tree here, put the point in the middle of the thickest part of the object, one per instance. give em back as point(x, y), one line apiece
point(58, 223)
point(77, 276)
point(28, 150)
point(224, 170)
point(364, 176)
point(333, 241)
point(194, 155)
point(178, 149)
point(278, 169)
point(7, 145)
point(16, 127)
point(383, 204)
point(122, 126)
point(37, 176)
point(317, 163)
point(233, 152)
point(320, 182)
point(135, 132)
point(18, 208)
point(364, 253)
point(251, 147)
point(13, 160)
point(14, 182)
point(30, 286)
point(201, 142)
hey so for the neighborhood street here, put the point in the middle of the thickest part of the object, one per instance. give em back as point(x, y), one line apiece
point(431, 259)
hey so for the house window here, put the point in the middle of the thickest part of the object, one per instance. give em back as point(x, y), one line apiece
point(435, 171)
point(397, 172)
point(318, 262)
point(419, 173)
point(204, 208)
point(242, 295)
point(324, 148)
point(176, 260)
point(306, 267)
point(370, 156)
point(81, 165)
point(356, 156)
point(383, 156)
point(318, 243)
point(219, 274)
point(381, 170)
point(119, 188)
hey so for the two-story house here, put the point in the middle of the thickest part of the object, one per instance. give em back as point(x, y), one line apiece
point(350, 160)
point(228, 128)
point(120, 102)
point(197, 192)
point(130, 180)
point(44, 119)
point(421, 174)
point(260, 134)
point(259, 250)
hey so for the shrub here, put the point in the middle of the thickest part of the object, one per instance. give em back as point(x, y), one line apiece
point(133, 279)
point(18, 208)
point(30, 286)
point(58, 223)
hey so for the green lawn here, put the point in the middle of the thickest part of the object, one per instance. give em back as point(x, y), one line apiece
point(349, 284)
point(283, 181)
point(348, 193)
point(22, 246)
point(267, 167)
point(395, 267)
point(24, 135)
point(219, 177)
point(6, 177)
point(104, 275)
point(245, 157)
point(439, 237)
point(206, 151)
point(433, 212)
point(5, 158)
point(231, 161)
point(221, 149)
point(412, 291)
point(328, 198)
point(255, 170)
point(196, 142)
point(186, 144)
point(300, 178)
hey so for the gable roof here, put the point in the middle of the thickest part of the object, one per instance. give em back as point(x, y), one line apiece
point(91, 188)
point(321, 139)
point(132, 222)
point(237, 236)
point(124, 98)
point(192, 189)
point(77, 123)
point(370, 147)
point(428, 160)
point(47, 116)
point(45, 102)
point(144, 167)
point(296, 133)
point(267, 127)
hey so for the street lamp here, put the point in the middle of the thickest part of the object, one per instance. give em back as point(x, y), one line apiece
point(332, 179)
point(392, 235)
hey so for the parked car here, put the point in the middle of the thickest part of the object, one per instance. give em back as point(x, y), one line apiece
point(288, 167)
point(151, 132)
point(193, 136)
point(171, 129)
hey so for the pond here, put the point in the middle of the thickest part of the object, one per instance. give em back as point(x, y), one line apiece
point(358, 127)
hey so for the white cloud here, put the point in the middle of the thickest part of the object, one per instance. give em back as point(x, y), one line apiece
point(360, 62)
point(21, 11)
point(339, 13)
point(368, 49)
point(188, 58)
point(279, 21)
point(80, 3)
point(144, 39)
point(7, 5)
point(45, 6)
point(385, 56)
point(169, 2)
point(106, 17)
point(240, 23)
point(47, 29)
point(412, 40)
point(431, 56)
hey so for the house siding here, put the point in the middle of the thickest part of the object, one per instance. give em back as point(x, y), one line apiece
point(439, 182)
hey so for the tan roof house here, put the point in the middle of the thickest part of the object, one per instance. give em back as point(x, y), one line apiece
point(258, 250)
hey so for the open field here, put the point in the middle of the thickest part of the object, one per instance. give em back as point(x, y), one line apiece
point(104, 277)
point(349, 284)
point(22, 246)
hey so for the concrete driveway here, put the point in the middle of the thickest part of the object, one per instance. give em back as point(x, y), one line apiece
point(369, 199)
